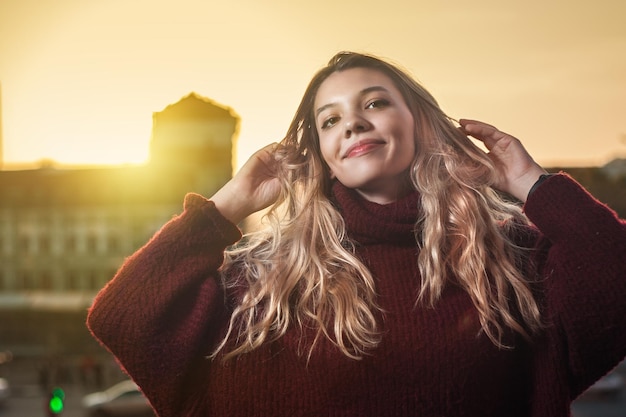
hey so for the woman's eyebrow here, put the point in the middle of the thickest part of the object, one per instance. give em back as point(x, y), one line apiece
point(362, 92)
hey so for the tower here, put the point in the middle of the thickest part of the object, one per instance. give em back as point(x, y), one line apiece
point(1, 132)
point(194, 132)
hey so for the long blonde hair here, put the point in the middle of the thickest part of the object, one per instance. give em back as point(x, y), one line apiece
point(302, 269)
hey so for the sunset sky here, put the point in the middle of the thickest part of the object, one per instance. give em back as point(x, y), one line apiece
point(80, 79)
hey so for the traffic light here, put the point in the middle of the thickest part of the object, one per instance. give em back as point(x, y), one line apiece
point(57, 401)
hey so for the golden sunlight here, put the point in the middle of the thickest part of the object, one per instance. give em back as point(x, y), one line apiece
point(80, 80)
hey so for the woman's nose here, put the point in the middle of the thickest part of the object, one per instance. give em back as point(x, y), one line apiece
point(355, 124)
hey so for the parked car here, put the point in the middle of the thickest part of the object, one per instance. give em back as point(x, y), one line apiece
point(4, 391)
point(121, 400)
point(607, 387)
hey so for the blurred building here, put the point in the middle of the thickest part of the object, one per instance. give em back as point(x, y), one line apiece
point(607, 183)
point(64, 232)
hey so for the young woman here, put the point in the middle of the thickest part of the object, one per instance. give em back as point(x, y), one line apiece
point(398, 275)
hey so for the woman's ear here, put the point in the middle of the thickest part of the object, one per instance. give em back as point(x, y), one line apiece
point(332, 176)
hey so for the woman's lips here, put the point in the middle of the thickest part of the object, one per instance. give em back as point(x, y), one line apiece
point(363, 146)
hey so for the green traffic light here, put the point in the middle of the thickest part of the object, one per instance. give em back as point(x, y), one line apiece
point(59, 393)
point(56, 400)
point(56, 405)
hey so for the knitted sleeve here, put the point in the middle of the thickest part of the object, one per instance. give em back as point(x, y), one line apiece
point(161, 308)
point(585, 279)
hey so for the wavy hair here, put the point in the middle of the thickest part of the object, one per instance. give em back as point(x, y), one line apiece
point(302, 269)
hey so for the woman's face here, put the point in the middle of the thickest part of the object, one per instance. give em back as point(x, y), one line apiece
point(366, 133)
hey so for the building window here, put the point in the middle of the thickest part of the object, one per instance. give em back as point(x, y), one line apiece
point(113, 244)
point(46, 281)
point(92, 280)
point(92, 244)
point(27, 281)
point(44, 244)
point(25, 244)
point(72, 281)
point(70, 244)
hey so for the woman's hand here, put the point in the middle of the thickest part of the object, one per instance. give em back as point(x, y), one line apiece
point(253, 188)
point(518, 170)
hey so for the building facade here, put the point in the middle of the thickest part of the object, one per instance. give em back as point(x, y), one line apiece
point(64, 232)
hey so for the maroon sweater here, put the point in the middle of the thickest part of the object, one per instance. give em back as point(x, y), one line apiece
point(165, 310)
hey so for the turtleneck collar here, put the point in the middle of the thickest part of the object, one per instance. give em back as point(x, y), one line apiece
point(371, 223)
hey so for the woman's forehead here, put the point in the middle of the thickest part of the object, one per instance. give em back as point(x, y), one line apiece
point(349, 83)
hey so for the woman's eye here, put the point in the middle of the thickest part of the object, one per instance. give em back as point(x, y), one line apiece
point(329, 122)
point(377, 104)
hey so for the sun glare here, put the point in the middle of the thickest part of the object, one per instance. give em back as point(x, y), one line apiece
point(103, 151)
point(95, 151)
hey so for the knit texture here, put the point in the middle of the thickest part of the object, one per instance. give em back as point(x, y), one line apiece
point(164, 311)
